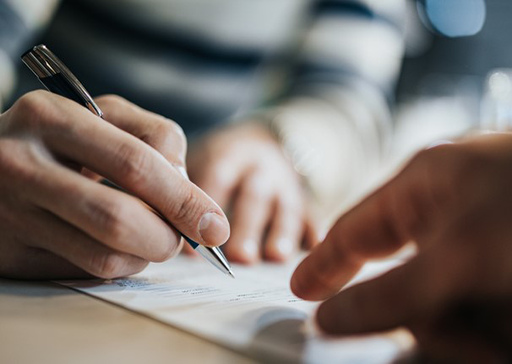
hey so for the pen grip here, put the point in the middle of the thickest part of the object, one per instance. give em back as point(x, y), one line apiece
point(110, 184)
point(191, 242)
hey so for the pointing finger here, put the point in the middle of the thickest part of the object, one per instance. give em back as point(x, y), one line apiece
point(136, 167)
point(377, 227)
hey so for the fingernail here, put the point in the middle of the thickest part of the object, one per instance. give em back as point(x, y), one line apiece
point(250, 248)
point(214, 229)
point(284, 247)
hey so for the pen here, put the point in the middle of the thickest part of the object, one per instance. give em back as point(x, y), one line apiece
point(57, 78)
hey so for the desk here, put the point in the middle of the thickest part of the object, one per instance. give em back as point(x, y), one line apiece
point(41, 322)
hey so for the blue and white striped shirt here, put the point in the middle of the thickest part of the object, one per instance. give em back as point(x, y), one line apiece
point(321, 70)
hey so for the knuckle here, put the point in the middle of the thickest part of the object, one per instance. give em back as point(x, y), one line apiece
point(137, 267)
point(108, 217)
point(434, 164)
point(181, 139)
point(169, 250)
point(450, 173)
point(186, 207)
point(30, 108)
point(463, 166)
point(20, 162)
point(133, 163)
point(436, 154)
point(112, 101)
point(32, 101)
point(176, 129)
point(108, 265)
point(172, 134)
point(451, 157)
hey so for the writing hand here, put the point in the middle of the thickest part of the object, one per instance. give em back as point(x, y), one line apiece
point(56, 223)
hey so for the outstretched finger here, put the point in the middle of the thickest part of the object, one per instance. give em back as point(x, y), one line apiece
point(377, 227)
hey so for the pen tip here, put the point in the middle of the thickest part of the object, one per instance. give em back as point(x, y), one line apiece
point(231, 274)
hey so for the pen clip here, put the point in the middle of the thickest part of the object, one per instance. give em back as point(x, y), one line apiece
point(44, 63)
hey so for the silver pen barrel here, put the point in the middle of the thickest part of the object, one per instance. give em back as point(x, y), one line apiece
point(216, 258)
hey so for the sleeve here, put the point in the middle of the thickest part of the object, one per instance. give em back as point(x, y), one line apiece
point(20, 20)
point(334, 118)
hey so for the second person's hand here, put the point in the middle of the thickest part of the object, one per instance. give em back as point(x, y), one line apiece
point(455, 202)
point(243, 168)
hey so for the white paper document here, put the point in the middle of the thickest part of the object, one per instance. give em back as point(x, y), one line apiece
point(255, 314)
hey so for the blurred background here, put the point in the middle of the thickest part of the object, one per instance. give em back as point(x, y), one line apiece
point(455, 77)
point(426, 71)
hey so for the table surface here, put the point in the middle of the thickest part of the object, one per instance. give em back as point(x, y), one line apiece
point(42, 322)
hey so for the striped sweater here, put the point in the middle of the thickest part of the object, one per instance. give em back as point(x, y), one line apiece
point(319, 73)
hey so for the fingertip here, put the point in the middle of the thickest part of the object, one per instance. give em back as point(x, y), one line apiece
point(214, 229)
point(308, 292)
point(307, 284)
point(296, 287)
point(301, 287)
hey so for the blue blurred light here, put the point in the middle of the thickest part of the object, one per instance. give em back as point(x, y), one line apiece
point(453, 18)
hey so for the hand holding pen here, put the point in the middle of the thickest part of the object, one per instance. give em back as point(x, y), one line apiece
point(57, 223)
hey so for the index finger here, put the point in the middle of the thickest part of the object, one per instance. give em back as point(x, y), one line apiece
point(74, 132)
point(377, 227)
point(161, 133)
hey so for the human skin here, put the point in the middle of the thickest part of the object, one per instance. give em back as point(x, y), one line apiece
point(454, 202)
point(57, 221)
point(243, 168)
